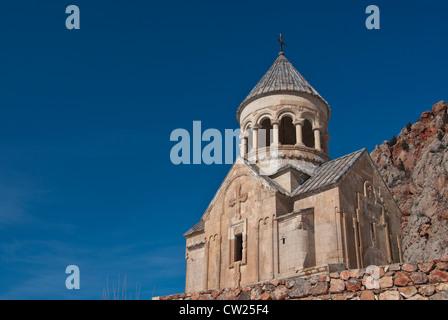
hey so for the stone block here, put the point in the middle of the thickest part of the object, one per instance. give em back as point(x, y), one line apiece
point(337, 285)
point(401, 279)
point(320, 288)
point(418, 277)
point(390, 295)
point(353, 284)
point(407, 292)
point(438, 276)
point(367, 295)
point(386, 282)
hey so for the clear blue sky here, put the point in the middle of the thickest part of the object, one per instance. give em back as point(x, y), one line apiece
point(86, 116)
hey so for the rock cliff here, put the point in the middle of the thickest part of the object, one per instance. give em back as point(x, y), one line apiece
point(415, 166)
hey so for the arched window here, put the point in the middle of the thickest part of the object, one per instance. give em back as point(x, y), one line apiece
point(265, 133)
point(287, 132)
point(308, 135)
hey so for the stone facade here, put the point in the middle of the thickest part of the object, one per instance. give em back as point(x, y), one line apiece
point(425, 280)
point(285, 208)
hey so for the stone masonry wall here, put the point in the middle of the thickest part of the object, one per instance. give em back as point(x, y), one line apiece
point(426, 280)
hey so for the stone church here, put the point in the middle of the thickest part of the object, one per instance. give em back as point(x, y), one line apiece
point(286, 209)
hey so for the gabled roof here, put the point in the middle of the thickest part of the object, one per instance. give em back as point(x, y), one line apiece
point(329, 173)
point(281, 77)
point(326, 175)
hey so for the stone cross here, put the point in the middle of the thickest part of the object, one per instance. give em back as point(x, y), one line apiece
point(240, 197)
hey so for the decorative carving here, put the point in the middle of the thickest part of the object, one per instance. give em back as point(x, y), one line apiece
point(239, 198)
point(374, 246)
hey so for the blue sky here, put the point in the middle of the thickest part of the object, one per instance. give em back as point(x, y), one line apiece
point(86, 116)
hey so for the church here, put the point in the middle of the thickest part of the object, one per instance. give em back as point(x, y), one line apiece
point(285, 209)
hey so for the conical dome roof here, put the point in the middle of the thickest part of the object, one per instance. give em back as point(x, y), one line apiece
point(281, 77)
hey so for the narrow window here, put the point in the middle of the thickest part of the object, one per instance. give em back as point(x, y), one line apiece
point(238, 247)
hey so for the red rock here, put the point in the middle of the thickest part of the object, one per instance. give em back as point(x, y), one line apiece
point(265, 296)
point(324, 277)
point(280, 293)
point(337, 285)
point(439, 107)
point(386, 282)
point(442, 266)
point(356, 273)
point(275, 283)
point(418, 277)
point(214, 293)
point(410, 267)
point(427, 116)
point(401, 279)
point(353, 284)
point(438, 276)
point(426, 266)
point(345, 275)
point(320, 288)
point(367, 295)
point(408, 292)
point(427, 290)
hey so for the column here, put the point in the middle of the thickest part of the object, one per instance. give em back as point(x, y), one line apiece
point(255, 138)
point(299, 137)
point(317, 143)
point(275, 129)
point(243, 147)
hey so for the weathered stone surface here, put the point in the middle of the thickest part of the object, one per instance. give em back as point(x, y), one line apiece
point(415, 169)
point(443, 295)
point(265, 296)
point(426, 267)
point(367, 295)
point(300, 289)
point(345, 275)
point(353, 284)
point(439, 107)
point(442, 266)
point(438, 276)
point(401, 279)
point(410, 267)
point(275, 283)
point(244, 295)
point(320, 288)
point(417, 297)
point(427, 290)
point(357, 273)
point(386, 282)
point(227, 295)
point(371, 283)
point(418, 277)
point(409, 285)
point(442, 287)
point(256, 293)
point(280, 293)
point(337, 285)
point(407, 292)
point(394, 267)
point(375, 272)
point(290, 283)
point(390, 295)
